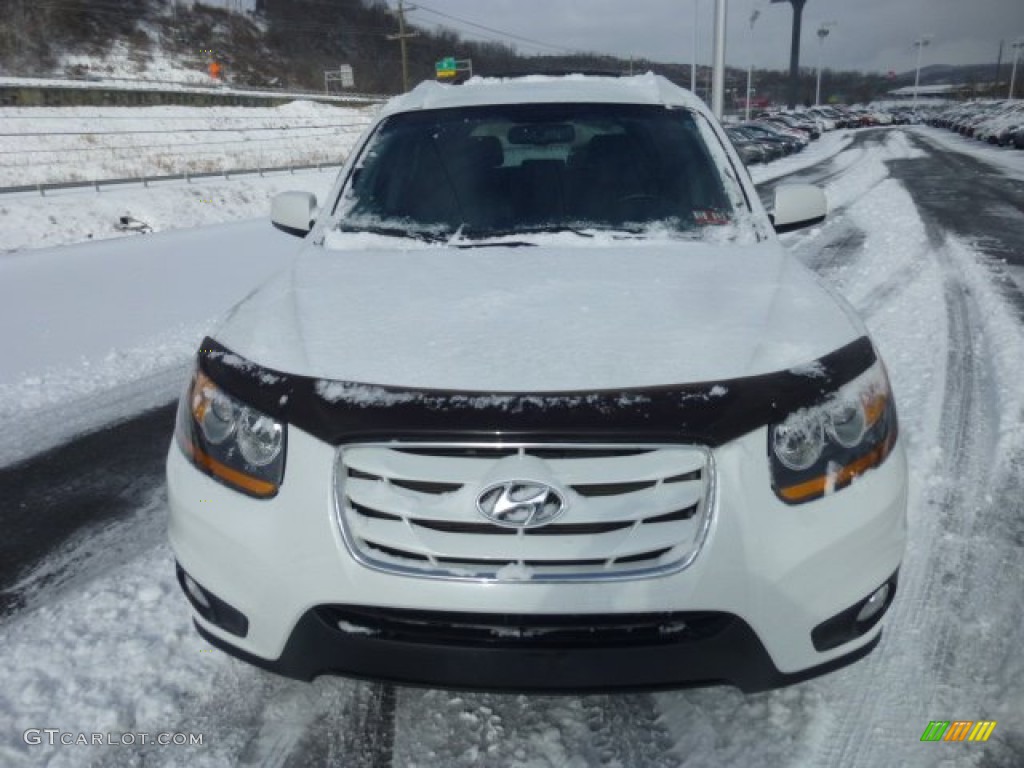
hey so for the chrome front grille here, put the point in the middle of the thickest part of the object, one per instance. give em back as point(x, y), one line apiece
point(632, 511)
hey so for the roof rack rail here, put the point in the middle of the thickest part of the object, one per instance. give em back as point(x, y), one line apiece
point(555, 72)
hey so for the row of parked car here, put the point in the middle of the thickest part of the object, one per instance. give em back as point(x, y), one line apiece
point(772, 136)
point(994, 121)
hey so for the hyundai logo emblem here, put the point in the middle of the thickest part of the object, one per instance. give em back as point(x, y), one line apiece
point(520, 504)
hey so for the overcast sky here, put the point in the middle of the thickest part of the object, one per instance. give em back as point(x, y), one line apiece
point(868, 35)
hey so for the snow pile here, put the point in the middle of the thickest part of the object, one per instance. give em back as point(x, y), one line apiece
point(62, 217)
point(1004, 160)
point(829, 145)
point(108, 328)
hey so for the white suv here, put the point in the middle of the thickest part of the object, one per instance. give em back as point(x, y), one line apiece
point(541, 404)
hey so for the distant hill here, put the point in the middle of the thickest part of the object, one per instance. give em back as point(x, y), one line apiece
point(972, 74)
point(290, 44)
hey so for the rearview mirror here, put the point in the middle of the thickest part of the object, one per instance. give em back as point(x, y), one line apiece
point(292, 212)
point(798, 206)
point(542, 134)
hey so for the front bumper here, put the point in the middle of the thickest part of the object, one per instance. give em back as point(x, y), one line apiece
point(731, 654)
point(774, 572)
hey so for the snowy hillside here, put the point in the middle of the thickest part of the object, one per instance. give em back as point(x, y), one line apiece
point(171, 41)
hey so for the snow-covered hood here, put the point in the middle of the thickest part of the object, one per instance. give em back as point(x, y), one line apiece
point(539, 319)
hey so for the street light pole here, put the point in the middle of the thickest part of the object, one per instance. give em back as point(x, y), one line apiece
point(750, 61)
point(693, 66)
point(1013, 72)
point(794, 51)
point(718, 60)
point(920, 44)
point(822, 34)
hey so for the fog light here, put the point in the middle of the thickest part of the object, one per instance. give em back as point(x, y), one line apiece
point(196, 592)
point(874, 604)
point(856, 620)
point(210, 607)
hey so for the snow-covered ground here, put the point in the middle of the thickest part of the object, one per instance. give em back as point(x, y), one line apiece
point(39, 145)
point(57, 144)
point(815, 153)
point(110, 328)
point(1004, 160)
point(70, 216)
point(100, 325)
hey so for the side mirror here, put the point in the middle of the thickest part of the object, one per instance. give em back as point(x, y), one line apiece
point(292, 212)
point(798, 206)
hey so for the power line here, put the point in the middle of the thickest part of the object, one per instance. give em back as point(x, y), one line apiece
point(509, 35)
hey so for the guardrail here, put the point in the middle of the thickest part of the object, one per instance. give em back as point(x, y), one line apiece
point(145, 83)
point(24, 92)
point(42, 189)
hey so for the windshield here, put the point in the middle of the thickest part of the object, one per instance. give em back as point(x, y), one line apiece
point(512, 169)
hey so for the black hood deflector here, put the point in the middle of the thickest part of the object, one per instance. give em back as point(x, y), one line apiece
point(709, 413)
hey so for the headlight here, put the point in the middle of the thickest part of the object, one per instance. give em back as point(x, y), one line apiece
point(242, 447)
point(821, 449)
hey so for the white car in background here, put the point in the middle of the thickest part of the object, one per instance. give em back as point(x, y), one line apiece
point(541, 404)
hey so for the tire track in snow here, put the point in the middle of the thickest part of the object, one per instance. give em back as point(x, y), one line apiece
point(369, 733)
point(838, 167)
point(939, 578)
point(332, 721)
point(943, 532)
point(438, 729)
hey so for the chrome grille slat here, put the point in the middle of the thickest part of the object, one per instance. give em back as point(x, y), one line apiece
point(606, 546)
point(460, 505)
point(488, 529)
point(651, 465)
point(671, 517)
point(364, 511)
point(633, 511)
point(423, 486)
point(612, 489)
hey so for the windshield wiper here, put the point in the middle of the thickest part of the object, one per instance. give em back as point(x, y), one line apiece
point(378, 229)
point(471, 234)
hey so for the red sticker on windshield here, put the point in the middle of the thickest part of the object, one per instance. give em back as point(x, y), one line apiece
point(710, 216)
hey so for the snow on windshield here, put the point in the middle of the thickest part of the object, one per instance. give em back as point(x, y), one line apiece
point(508, 170)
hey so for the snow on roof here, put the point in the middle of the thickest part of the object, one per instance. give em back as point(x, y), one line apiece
point(922, 90)
point(640, 89)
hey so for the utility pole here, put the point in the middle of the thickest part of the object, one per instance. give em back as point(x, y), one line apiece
point(794, 51)
point(999, 63)
point(1017, 45)
point(401, 37)
point(18, 24)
